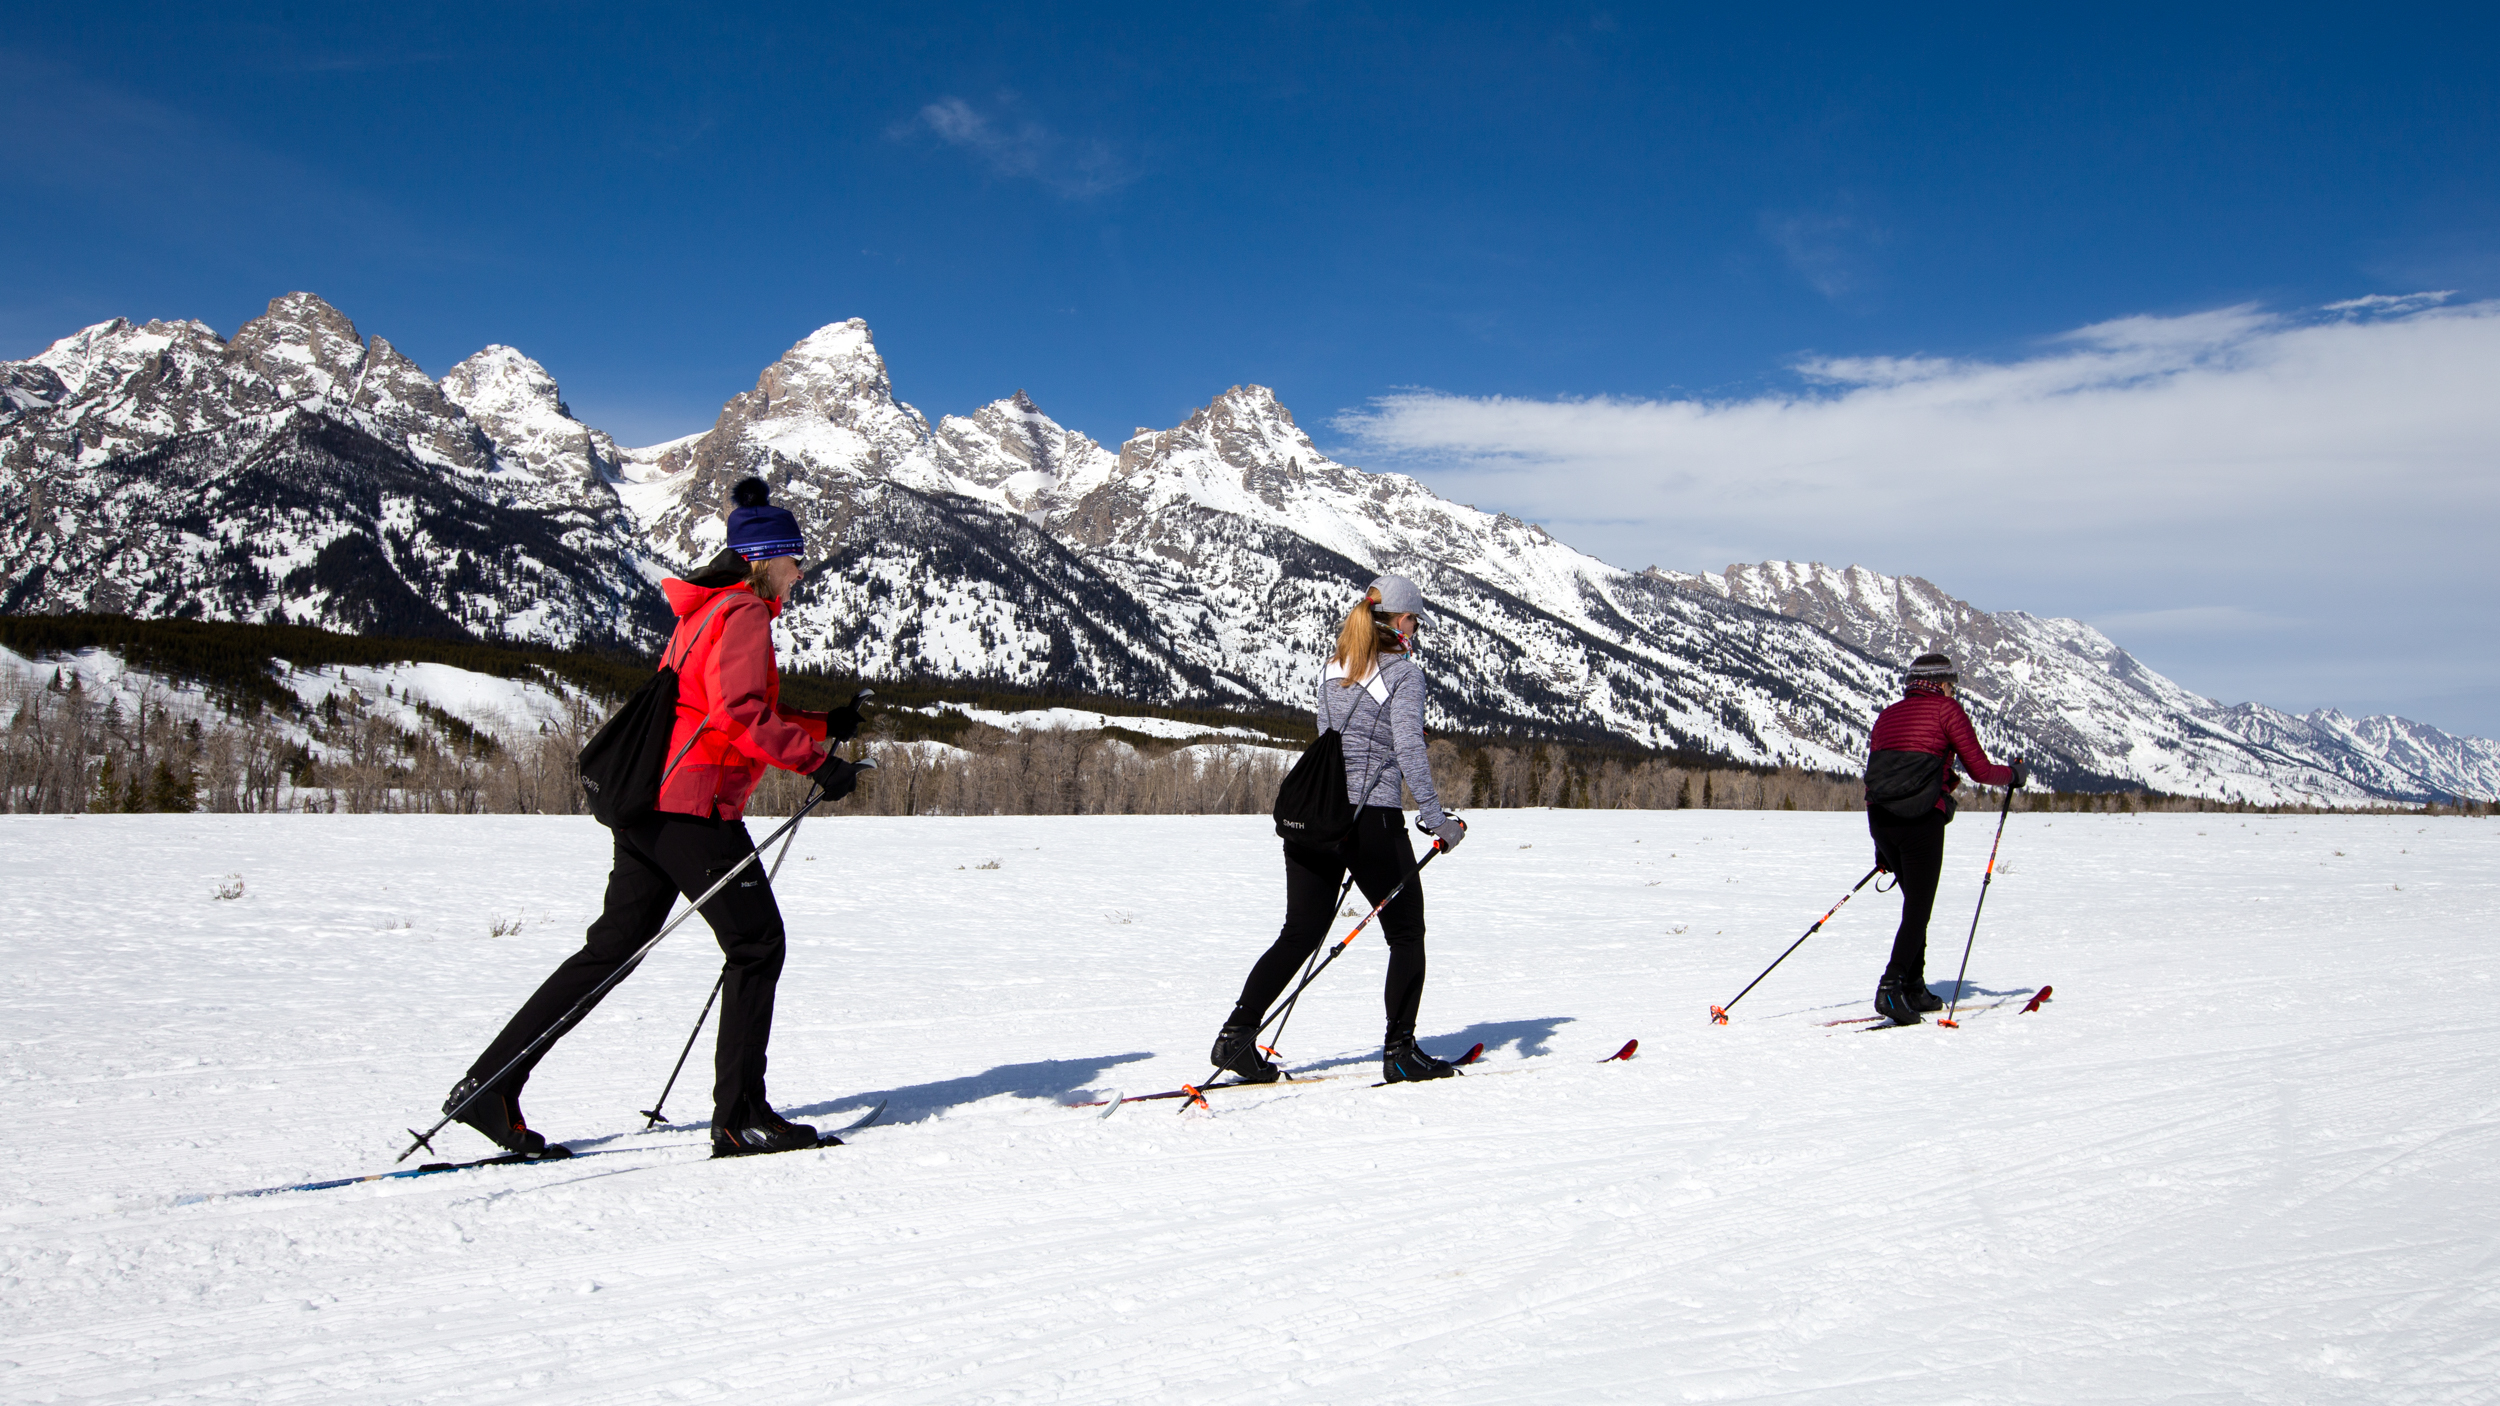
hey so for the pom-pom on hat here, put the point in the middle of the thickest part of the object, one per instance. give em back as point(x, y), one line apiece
point(759, 531)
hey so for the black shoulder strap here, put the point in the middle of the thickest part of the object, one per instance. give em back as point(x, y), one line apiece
point(702, 723)
point(697, 637)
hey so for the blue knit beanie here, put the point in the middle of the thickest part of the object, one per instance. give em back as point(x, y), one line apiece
point(759, 531)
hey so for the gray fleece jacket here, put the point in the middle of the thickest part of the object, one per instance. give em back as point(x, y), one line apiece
point(1382, 720)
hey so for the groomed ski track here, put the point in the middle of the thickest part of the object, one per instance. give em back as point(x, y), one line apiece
point(2248, 1152)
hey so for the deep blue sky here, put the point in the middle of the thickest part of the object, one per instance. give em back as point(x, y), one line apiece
point(1125, 209)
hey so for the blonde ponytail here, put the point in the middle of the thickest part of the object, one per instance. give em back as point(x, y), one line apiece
point(1358, 644)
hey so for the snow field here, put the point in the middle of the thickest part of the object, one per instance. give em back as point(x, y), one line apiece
point(2247, 1153)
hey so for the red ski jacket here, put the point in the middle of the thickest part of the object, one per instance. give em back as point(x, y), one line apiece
point(1930, 724)
point(730, 722)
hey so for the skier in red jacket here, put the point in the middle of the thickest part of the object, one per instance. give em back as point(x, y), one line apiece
point(1909, 800)
point(730, 727)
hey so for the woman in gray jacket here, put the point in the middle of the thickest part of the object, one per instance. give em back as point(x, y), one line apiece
point(1372, 693)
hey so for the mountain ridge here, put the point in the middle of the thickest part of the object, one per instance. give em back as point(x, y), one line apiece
point(301, 471)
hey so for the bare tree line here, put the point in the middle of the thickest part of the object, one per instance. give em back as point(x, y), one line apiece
point(64, 751)
point(1049, 771)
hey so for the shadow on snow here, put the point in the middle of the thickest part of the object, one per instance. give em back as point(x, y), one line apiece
point(1531, 1037)
point(1035, 1079)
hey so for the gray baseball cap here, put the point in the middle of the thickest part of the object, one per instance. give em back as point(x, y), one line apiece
point(1395, 595)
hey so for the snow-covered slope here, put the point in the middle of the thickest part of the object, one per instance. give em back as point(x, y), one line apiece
point(2098, 716)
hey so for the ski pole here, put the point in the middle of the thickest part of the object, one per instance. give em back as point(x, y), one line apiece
point(1947, 1020)
point(653, 1112)
point(591, 997)
point(1307, 968)
point(1718, 1014)
point(1333, 954)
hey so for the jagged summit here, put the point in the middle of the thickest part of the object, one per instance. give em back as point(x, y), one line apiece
point(498, 380)
point(519, 407)
point(1032, 463)
point(302, 346)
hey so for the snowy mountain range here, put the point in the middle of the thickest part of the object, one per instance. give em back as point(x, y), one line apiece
point(301, 472)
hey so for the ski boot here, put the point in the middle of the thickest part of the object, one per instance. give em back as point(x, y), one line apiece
point(1237, 1052)
point(759, 1130)
point(1402, 1061)
point(1922, 1000)
point(495, 1115)
point(1894, 1003)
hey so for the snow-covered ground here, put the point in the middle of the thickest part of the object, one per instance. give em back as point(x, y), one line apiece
point(2248, 1153)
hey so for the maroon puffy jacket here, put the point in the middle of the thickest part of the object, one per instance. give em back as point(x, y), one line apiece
point(1910, 755)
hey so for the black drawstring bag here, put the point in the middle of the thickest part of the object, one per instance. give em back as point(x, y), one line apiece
point(625, 761)
point(1311, 808)
point(1311, 805)
point(1905, 784)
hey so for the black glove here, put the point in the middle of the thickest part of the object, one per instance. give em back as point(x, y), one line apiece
point(842, 724)
point(1451, 832)
point(2022, 774)
point(839, 778)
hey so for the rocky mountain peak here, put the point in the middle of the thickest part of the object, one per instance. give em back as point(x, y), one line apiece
point(521, 411)
point(304, 347)
point(834, 371)
point(1246, 430)
point(500, 383)
point(1033, 463)
point(97, 360)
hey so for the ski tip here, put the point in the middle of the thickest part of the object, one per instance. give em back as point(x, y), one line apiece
point(2036, 998)
point(1472, 1055)
point(862, 1121)
point(1112, 1104)
point(1718, 1015)
point(1630, 1048)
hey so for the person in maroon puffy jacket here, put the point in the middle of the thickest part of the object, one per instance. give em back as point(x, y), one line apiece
point(730, 726)
point(1909, 800)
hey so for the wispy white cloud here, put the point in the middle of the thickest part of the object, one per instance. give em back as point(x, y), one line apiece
point(1021, 149)
point(2339, 467)
point(1832, 250)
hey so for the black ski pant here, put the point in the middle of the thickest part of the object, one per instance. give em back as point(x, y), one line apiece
point(1380, 857)
point(1914, 851)
point(655, 862)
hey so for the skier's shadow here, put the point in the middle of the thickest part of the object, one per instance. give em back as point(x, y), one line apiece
point(1972, 989)
point(1531, 1036)
point(1034, 1079)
